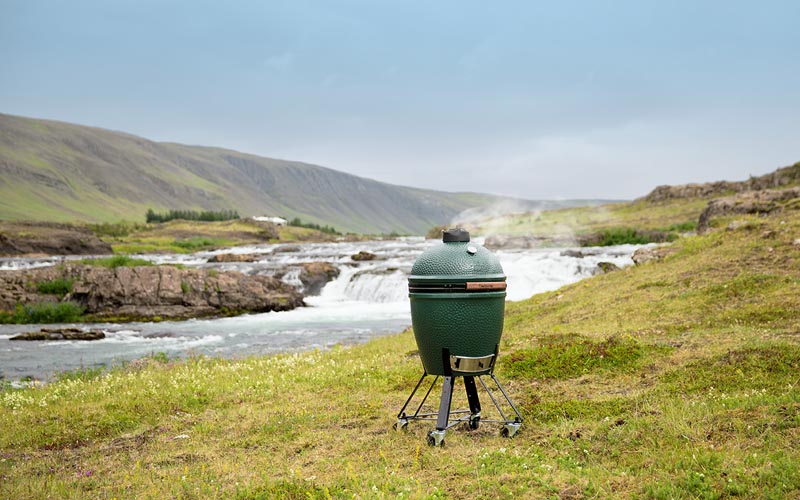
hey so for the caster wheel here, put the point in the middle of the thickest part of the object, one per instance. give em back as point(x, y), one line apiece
point(436, 438)
point(510, 430)
point(400, 425)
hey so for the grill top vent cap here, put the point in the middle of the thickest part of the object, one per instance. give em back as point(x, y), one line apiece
point(455, 235)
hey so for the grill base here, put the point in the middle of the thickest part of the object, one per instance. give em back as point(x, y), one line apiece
point(447, 418)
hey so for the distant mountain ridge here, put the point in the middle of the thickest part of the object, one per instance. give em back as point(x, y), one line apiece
point(58, 171)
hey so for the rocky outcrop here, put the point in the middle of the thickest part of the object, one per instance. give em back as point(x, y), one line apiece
point(20, 238)
point(315, 275)
point(783, 177)
point(61, 334)
point(149, 292)
point(753, 202)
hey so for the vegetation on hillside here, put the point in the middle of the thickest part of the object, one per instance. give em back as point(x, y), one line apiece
point(674, 379)
point(297, 222)
point(206, 215)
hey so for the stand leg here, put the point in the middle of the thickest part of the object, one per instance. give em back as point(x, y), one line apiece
point(444, 404)
point(474, 402)
point(436, 438)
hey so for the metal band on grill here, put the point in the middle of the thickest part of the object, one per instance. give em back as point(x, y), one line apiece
point(469, 286)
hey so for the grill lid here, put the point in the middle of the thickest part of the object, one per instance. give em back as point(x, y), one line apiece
point(457, 261)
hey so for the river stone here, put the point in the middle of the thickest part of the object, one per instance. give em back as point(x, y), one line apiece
point(61, 334)
point(362, 255)
point(236, 257)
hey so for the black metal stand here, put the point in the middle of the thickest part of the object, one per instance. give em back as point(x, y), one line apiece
point(445, 418)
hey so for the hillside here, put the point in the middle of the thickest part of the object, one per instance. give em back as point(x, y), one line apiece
point(667, 210)
point(54, 171)
point(674, 379)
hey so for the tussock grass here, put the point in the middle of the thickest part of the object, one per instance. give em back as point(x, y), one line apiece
point(675, 379)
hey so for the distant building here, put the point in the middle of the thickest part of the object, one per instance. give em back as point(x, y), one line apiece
point(278, 221)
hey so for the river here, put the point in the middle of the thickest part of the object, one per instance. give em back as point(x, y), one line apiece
point(368, 299)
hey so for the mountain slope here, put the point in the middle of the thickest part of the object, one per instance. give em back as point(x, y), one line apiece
point(64, 172)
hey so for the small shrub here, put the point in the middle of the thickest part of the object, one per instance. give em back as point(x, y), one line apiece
point(59, 286)
point(44, 312)
point(116, 261)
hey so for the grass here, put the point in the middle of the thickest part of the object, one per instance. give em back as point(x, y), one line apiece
point(180, 236)
point(675, 379)
point(116, 261)
point(43, 312)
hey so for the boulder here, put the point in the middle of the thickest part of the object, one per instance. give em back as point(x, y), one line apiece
point(363, 255)
point(651, 254)
point(607, 267)
point(315, 275)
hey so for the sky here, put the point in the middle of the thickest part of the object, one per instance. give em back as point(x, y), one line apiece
point(537, 100)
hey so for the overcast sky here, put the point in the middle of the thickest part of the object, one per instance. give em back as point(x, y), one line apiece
point(559, 99)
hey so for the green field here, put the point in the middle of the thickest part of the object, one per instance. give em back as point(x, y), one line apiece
point(675, 379)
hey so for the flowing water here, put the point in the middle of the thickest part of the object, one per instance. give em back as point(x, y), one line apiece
point(368, 299)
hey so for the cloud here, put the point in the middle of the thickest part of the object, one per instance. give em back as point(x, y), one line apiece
point(279, 62)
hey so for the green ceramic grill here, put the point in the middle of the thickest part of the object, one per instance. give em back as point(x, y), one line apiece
point(457, 291)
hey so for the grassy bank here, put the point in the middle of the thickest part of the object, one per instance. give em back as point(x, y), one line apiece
point(675, 379)
point(180, 236)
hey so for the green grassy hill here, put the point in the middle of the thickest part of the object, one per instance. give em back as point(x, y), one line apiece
point(56, 171)
point(679, 378)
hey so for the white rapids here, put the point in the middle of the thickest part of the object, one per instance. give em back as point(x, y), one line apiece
point(368, 299)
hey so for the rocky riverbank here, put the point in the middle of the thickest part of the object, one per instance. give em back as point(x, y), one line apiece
point(148, 292)
point(49, 238)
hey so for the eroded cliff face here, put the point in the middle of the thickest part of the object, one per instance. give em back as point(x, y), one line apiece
point(149, 292)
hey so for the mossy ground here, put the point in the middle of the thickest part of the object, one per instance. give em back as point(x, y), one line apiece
point(675, 379)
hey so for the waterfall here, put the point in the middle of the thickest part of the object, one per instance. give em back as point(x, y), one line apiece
point(372, 284)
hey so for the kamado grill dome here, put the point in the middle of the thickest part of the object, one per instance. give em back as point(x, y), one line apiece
point(457, 292)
